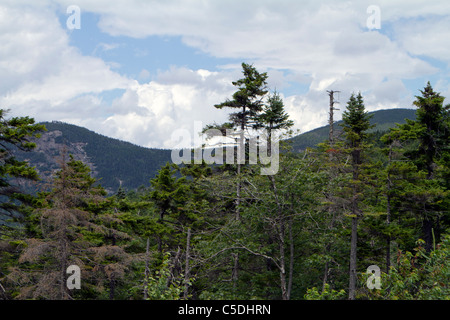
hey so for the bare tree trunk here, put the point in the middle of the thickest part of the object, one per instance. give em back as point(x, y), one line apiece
point(112, 287)
point(328, 249)
point(356, 155)
point(63, 260)
point(62, 233)
point(281, 244)
point(3, 292)
point(235, 272)
point(331, 210)
point(175, 268)
point(112, 281)
point(62, 287)
point(186, 267)
point(353, 247)
point(240, 159)
point(331, 121)
point(240, 152)
point(283, 285)
point(388, 217)
point(291, 259)
point(147, 270)
point(428, 233)
point(238, 192)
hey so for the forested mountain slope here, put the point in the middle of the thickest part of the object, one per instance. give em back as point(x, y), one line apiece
point(384, 119)
point(315, 229)
point(112, 161)
point(117, 162)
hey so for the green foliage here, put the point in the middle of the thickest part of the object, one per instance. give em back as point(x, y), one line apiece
point(163, 285)
point(434, 136)
point(273, 116)
point(418, 275)
point(326, 294)
point(248, 98)
point(176, 234)
point(15, 134)
point(382, 119)
point(423, 144)
point(356, 120)
point(115, 161)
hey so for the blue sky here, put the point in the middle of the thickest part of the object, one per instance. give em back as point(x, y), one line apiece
point(142, 59)
point(140, 70)
point(134, 55)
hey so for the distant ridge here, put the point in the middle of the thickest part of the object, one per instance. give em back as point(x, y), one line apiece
point(383, 119)
point(118, 163)
point(113, 162)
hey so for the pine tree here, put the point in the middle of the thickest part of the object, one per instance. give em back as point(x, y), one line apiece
point(274, 117)
point(434, 139)
point(248, 98)
point(15, 134)
point(62, 218)
point(168, 191)
point(426, 150)
point(355, 124)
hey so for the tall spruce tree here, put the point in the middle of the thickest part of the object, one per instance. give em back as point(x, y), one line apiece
point(426, 142)
point(58, 241)
point(356, 122)
point(248, 99)
point(274, 117)
point(15, 134)
point(168, 194)
point(434, 143)
point(434, 139)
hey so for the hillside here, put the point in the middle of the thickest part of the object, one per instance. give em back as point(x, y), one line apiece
point(115, 162)
point(112, 161)
point(383, 119)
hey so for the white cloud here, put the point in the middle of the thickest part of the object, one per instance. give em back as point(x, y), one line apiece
point(306, 36)
point(323, 40)
point(319, 44)
point(428, 38)
point(42, 73)
point(147, 114)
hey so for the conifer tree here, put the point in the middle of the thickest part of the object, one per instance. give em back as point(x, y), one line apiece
point(15, 134)
point(355, 124)
point(274, 117)
point(434, 139)
point(62, 218)
point(426, 143)
point(248, 99)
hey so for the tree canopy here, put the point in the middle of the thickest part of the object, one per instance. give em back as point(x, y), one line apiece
point(376, 200)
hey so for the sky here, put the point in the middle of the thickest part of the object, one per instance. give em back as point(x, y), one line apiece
point(139, 70)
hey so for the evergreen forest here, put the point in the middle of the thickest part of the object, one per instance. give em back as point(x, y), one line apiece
point(362, 215)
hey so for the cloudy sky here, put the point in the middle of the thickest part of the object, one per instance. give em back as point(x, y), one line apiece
point(139, 69)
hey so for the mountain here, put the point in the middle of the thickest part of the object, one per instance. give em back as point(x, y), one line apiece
point(383, 119)
point(115, 162)
point(112, 161)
